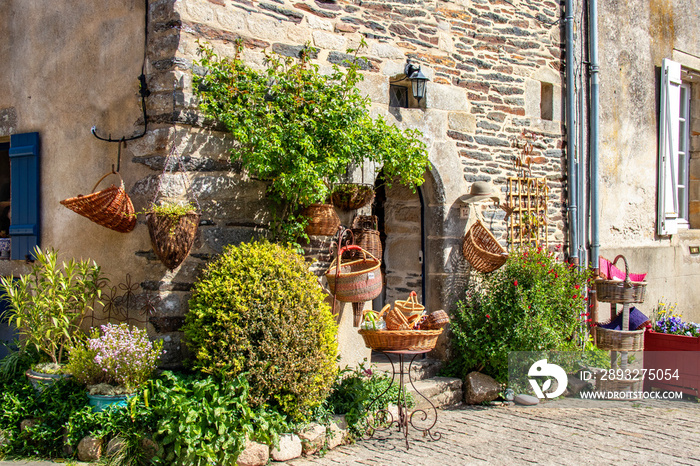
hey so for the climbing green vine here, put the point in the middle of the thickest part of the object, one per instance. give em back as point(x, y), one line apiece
point(300, 129)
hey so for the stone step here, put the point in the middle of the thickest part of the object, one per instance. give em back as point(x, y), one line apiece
point(420, 369)
point(440, 391)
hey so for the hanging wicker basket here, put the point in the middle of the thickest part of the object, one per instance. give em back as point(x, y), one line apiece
point(172, 237)
point(481, 249)
point(365, 235)
point(110, 207)
point(323, 220)
point(617, 291)
point(355, 281)
point(351, 196)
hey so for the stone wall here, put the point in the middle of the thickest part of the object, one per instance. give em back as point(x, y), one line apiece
point(495, 70)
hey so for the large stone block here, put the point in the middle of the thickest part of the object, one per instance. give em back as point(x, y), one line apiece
point(313, 437)
point(479, 388)
point(446, 97)
point(462, 121)
point(90, 449)
point(329, 40)
point(255, 454)
point(289, 448)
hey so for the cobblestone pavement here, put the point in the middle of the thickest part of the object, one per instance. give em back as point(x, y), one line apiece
point(559, 432)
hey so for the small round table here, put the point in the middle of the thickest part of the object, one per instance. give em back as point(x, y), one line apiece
point(384, 419)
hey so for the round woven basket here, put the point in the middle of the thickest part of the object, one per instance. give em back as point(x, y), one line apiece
point(410, 306)
point(172, 238)
point(481, 249)
point(619, 340)
point(355, 281)
point(109, 207)
point(323, 220)
point(400, 340)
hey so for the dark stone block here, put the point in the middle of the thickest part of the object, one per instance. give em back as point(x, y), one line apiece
point(294, 50)
point(291, 15)
point(167, 324)
point(339, 58)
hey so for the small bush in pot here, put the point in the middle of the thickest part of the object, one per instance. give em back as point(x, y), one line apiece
point(257, 309)
point(119, 360)
point(48, 305)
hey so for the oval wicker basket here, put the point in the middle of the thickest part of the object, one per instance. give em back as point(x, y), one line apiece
point(619, 340)
point(355, 281)
point(400, 340)
point(481, 249)
point(323, 220)
point(616, 291)
point(110, 207)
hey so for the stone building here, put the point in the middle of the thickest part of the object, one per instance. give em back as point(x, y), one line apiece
point(495, 70)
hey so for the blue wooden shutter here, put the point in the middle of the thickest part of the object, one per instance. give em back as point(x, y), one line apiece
point(24, 195)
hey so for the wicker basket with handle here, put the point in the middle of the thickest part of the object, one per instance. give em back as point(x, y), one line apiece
point(355, 281)
point(410, 306)
point(617, 291)
point(110, 207)
point(481, 249)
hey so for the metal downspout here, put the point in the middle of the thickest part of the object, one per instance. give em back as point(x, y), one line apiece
point(593, 142)
point(572, 175)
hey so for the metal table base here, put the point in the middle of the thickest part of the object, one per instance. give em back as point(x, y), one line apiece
point(383, 419)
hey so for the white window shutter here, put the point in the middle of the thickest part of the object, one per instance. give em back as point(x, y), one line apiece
point(667, 210)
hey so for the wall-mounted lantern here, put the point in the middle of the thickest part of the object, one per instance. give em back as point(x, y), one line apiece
point(418, 79)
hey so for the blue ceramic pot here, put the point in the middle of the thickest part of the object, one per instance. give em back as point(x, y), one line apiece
point(101, 402)
point(39, 380)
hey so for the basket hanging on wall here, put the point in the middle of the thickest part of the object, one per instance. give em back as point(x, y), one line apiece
point(172, 236)
point(365, 235)
point(481, 249)
point(110, 207)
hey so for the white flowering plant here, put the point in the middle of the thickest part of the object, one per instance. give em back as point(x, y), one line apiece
point(116, 355)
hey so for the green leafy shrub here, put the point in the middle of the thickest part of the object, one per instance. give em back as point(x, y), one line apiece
point(532, 303)
point(48, 305)
point(202, 421)
point(299, 128)
point(358, 392)
point(257, 309)
point(49, 410)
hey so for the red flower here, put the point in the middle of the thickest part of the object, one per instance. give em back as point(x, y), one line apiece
point(575, 296)
point(488, 316)
point(577, 286)
point(515, 282)
point(585, 298)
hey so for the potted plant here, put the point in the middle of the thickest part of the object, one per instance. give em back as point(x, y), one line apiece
point(114, 363)
point(298, 129)
point(47, 307)
point(672, 352)
point(172, 227)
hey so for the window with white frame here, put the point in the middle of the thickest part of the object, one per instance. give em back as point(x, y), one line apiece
point(677, 208)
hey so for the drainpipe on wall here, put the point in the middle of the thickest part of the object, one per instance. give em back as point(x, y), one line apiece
point(593, 144)
point(572, 176)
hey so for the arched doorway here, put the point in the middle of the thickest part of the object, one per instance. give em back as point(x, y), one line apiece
point(400, 215)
